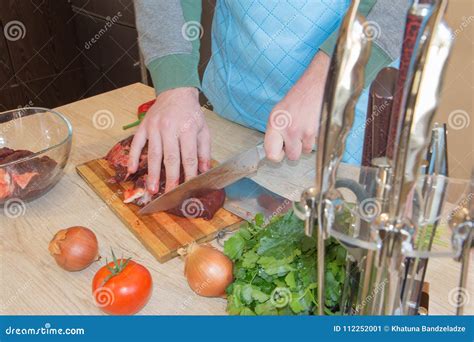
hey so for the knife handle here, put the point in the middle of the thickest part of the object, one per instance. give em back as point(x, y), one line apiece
point(379, 112)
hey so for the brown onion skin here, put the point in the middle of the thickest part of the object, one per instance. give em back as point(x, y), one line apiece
point(74, 248)
point(208, 271)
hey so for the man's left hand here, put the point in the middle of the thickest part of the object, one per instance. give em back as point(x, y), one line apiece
point(293, 122)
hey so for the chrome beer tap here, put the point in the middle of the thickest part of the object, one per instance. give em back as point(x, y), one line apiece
point(461, 221)
point(344, 85)
point(421, 93)
point(435, 183)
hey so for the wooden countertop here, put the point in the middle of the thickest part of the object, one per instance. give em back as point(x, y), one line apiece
point(32, 284)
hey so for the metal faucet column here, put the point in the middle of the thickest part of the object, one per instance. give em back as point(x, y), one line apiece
point(344, 85)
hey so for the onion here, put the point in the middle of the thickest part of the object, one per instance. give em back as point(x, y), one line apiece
point(207, 270)
point(74, 248)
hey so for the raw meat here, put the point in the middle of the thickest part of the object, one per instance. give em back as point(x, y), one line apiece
point(118, 159)
point(25, 179)
point(203, 205)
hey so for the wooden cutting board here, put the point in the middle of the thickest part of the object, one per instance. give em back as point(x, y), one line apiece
point(162, 234)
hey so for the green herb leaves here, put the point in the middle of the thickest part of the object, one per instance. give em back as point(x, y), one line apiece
point(275, 269)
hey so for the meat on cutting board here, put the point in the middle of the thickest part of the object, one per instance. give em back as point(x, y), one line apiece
point(202, 205)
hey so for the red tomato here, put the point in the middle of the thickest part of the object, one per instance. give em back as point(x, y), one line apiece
point(124, 293)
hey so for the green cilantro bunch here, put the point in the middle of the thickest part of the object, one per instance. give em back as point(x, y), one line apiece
point(275, 269)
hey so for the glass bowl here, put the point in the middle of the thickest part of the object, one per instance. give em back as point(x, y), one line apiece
point(35, 144)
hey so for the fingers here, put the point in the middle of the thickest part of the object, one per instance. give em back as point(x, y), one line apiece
point(309, 141)
point(274, 145)
point(171, 159)
point(171, 127)
point(293, 148)
point(155, 154)
point(279, 143)
point(204, 149)
point(188, 143)
point(139, 140)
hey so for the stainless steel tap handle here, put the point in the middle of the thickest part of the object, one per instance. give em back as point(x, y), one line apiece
point(433, 196)
point(462, 224)
point(427, 70)
point(344, 85)
point(422, 93)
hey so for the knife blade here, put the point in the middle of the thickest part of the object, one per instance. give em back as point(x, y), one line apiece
point(246, 198)
point(218, 177)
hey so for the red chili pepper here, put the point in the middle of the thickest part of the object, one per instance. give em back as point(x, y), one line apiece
point(145, 107)
point(142, 110)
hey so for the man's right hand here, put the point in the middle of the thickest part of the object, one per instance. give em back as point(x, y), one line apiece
point(177, 133)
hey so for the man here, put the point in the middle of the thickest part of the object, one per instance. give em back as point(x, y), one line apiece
point(267, 71)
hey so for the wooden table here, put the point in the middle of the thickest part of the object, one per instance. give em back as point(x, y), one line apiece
point(32, 284)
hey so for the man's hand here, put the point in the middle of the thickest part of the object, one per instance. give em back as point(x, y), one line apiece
point(293, 122)
point(177, 133)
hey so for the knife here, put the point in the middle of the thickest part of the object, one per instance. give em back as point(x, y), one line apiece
point(246, 198)
point(379, 110)
point(219, 177)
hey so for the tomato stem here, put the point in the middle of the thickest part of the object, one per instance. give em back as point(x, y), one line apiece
point(118, 266)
